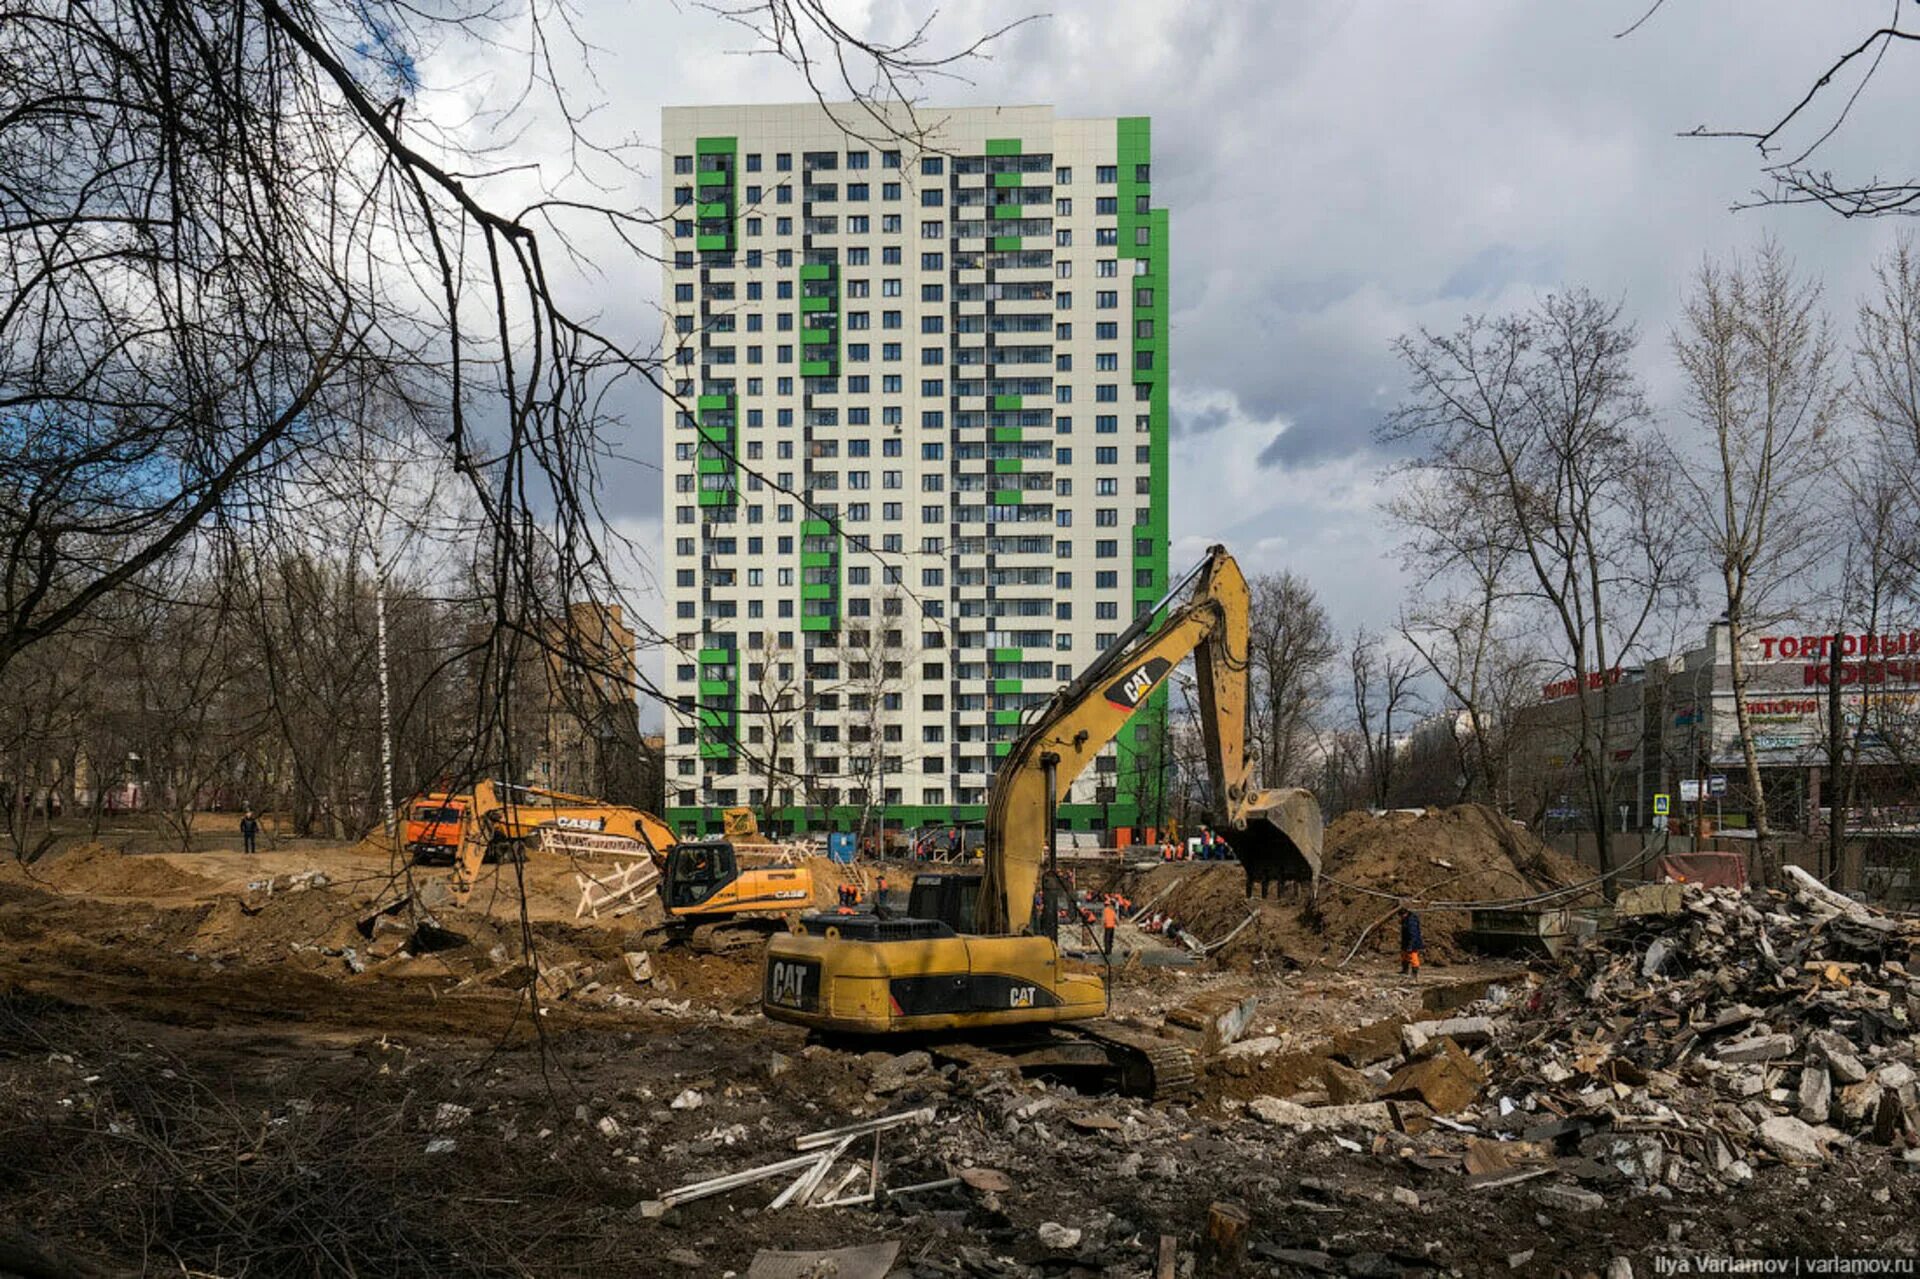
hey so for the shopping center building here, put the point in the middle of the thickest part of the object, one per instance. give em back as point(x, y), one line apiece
point(1671, 728)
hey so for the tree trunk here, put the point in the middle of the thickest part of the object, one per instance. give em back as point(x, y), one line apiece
point(1763, 853)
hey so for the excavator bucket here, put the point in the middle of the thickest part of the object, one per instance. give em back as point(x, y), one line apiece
point(1283, 837)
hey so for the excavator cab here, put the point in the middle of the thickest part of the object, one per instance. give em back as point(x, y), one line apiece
point(697, 870)
point(947, 898)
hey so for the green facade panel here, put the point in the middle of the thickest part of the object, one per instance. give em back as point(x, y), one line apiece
point(1003, 146)
point(1141, 781)
point(1006, 243)
point(718, 165)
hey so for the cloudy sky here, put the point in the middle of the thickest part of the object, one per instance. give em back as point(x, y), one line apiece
point(1338, 173)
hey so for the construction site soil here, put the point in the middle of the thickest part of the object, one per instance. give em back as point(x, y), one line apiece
point(208, 1066)
point(1370, 864)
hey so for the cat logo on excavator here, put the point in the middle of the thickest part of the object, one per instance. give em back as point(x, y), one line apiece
point(1132, 688)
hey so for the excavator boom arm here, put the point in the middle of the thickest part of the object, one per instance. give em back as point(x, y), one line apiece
point(1087, 714)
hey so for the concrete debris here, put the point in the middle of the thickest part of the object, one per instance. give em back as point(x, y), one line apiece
point(1345, 1085)
point(1467, 1032)
point(1373, 1116)
point(1569, 1198)
point(1756, 1048)
point(895, 1073)
point(1816, 1092)
point(1791, 1139)
point(639, 966)
point(1058, 1237)
point(1258, 1046)
point(1772, 1027)
point(690, 1099)
point(1447, 1080)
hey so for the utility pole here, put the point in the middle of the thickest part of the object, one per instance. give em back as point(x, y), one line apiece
point(1836, 814)
point(386, 691)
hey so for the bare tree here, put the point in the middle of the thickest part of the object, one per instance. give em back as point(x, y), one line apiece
point(775, 707)
point(1758, 366)
point(1885, 388)
point(1384, 693)
point(1536, 421)
point(1290, 645)
point(1486, 676)
point(871, 685)
point(1788, 146)
point(221, 223)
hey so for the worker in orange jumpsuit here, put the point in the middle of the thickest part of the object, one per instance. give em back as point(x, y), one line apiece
point(1109, 920)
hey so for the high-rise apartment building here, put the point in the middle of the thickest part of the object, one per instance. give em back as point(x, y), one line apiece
point(916, 452)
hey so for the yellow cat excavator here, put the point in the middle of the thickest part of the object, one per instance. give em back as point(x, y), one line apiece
point(973, 956)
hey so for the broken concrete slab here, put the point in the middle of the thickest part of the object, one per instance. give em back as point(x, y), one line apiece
point(1816, 1092)
point(1465, 1031)
point(1259, 1046)
point(1373, 1116)
point(1755, 1048)
point(1447, 1080)
point(1345, 1085)
point(1792, 1140)
point(1568, 1198)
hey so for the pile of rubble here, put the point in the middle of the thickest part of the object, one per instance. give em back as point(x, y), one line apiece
point(1678, 1053)
point(1767, 1024)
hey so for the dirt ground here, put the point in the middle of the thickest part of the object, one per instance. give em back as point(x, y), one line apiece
point(197, 1076)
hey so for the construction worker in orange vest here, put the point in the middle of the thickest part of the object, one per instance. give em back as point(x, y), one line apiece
point(1109, 920)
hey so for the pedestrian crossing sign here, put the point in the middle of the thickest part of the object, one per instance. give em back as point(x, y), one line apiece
point(1662, 805)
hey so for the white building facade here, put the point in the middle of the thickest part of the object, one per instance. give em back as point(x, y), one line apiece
point(915, 455)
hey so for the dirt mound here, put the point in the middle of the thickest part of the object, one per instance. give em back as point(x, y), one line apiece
point(96, 870)
point(1468, 853)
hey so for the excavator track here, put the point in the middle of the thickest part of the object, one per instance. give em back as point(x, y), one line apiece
point(1135, 1062)
point(729, 938)
point(1147, 1065)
